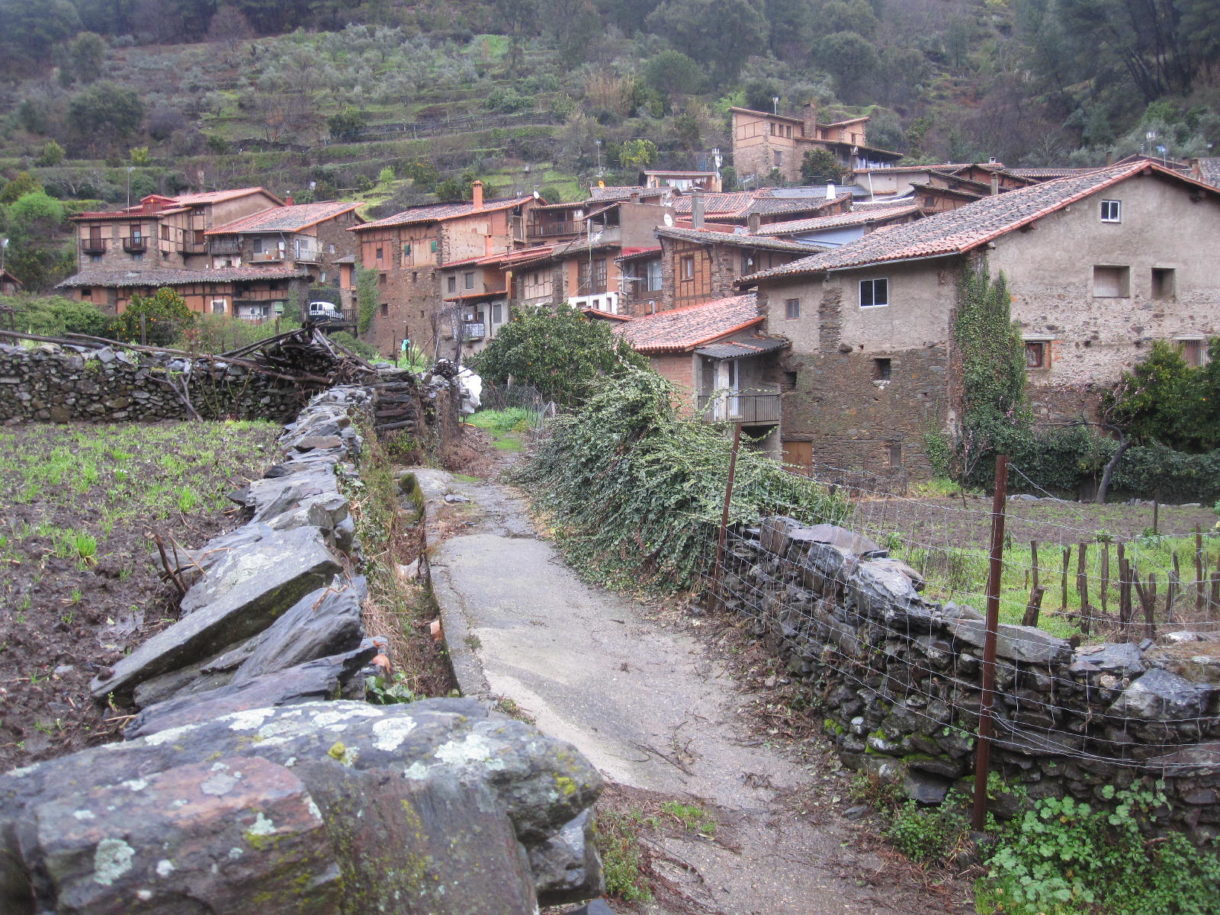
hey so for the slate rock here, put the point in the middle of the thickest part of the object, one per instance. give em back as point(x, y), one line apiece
point(239, 597)
point(211, 673)
point(774, 533)
point(190, 565)
point(925, 788)
point(845, 539)
point(1015, 643)
point(197, 837)
point(309, 498)
point(1159, 695)
point(315, 680)
point(566, 867)
point(323, 622)
point(1120, 658)
point(882, 592)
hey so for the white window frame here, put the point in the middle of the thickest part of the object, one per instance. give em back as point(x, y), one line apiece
point(873, 292)
point(224, 306)
point(792, 309)
point(1048, 352)
point(1111, 211)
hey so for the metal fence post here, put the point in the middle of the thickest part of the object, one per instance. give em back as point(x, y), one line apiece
point(724, 515)
point(982, 760)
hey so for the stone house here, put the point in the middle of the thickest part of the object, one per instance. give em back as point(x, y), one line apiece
point(763, 142)
point(723, 368)
point(9, 284)
point(1098, 264)
point(162, 231)
point(939, 187)
point(640, 275)
point(408, 250)
point(311, 236)
point(681, 180)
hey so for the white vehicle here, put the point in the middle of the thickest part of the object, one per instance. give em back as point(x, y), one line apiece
point(324, 312)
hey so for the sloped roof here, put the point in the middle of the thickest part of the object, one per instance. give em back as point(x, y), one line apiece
point(285, 219)
point(960, 230)
point(839, 220)
point(1208, 170)
point(741, 346)
point(205, 197)
point(440, 212)
point(624, 192)
point(682, 329)
point(121, 279)
point(740, 240)
point(634, 253)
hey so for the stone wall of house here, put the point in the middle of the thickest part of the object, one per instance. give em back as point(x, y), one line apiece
point(53, 383)
point(253, 772)
point(898, 678)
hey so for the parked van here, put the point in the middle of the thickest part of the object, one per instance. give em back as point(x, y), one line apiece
point(324, 312)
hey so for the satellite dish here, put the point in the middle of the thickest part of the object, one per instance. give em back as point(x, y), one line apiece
point(669, 219)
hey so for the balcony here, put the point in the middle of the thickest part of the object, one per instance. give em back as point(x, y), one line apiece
point(187, 245)
point(538, 230)
point(267, 257)
point(750, 408)
point(224, 246)
point(135, 244)
point(93, 246)
point(473, 330)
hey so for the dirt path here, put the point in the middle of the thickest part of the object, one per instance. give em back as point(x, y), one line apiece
point(659, 715)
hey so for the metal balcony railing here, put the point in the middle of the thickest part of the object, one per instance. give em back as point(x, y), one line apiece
point(748, 407)
point(135, 244)
point(93, 246)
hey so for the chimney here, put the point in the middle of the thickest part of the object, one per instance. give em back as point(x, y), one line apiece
point(995, 184)
point(809, 115)
point(754, 221)
point(288, 200)
point(696, 210)
point(635, 196)
point(831, 193)
point(476, 192)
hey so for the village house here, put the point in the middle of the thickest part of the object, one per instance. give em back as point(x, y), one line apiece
point(9, 284)
point(764, 142)
point(937, 188)
point(408, 250)
point(681, 180)
point(163, 231)
point(1098, 265)
point(723, 368)
point(310, 236)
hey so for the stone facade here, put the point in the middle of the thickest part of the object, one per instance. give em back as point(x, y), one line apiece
point(898, 680)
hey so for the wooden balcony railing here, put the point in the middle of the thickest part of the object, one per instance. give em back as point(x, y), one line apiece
point(224, 246)
point(747, 407)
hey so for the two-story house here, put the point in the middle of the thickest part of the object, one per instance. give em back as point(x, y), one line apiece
point(311, 236)
point(1098, 265)
point(408, 250)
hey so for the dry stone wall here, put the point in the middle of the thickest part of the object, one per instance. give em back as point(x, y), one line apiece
point(898, 677)
point(252, 777)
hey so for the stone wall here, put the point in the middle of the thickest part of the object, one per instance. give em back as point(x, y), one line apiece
point(54, 383)
point(898, 677)
point(252, 774)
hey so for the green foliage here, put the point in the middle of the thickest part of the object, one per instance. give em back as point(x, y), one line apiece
point(366, 298)
point(1167, 401)
point(673, 73)
point(498, 422)
point(52, 154)
point(692, 817)
point(22, 183)
point(819, 166)
point(637, 154)
point(54, 316)
point(1065, 857)
point(160, 319)
point(929, 835)
point(712, 30)
point(637, 492)
point(614, 836)
point(104, 115)
point(561, 353)
point(222, 333)
point(348, 123)
point(359, 347)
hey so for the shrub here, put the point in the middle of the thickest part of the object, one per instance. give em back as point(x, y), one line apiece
point(159, 319)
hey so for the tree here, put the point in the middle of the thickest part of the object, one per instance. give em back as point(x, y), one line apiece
point(30, 28)
point(819, 166)
point(637, 154)
point(23, 183)
point(562, 353)
point(104, 115)
point(52, 154)
point(54, 316)
point(159, 319)
point(35, 254)
point(85, 58)
point(348, 124)
point(672, 73)
point(715, 31)
point(849, 58)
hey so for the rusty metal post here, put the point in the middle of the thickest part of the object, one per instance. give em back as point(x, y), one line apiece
point(724, 515)
point(982, 759)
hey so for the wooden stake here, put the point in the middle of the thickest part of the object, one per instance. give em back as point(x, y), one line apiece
point(1105, 579)
point(1033, 562)
point(1199, 579)
point(1063, 589)
point(1082, 588)
point(1033, 608)
point(1215, 595)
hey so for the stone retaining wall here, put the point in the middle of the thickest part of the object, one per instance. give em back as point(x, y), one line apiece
point(54, 383)
point(898, 677)
point(250, 777)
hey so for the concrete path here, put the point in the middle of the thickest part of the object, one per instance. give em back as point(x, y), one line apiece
point(643, 702)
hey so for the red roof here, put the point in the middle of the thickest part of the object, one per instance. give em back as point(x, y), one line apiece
point(968, 227)
point(440, 212)
point(683, 329)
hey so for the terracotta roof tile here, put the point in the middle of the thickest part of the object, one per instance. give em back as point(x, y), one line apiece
point(969, 226)
point(682, 329)
point(285, 219)
point(122, 279)
point(439, 212)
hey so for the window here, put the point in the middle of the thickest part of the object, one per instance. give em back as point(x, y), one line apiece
point(882, 369)
point(652, 273)
point(164, 233)
point(381, 277)
point(468, 280)
point(406, 250)
point(688, 266)
point(385, 309)
point(779, 159)
point(1192, 350)
point(874, 293)
point(1111, 282)
point(1037, 354)
point(436, 246)
point(792, 308)
point(95, 258)
point(380, 252)
point(747, 263)
point(895, 455)
point(451, 283)
point(497, 313)
point(330, 249)
point(218, 306)
point(790, 379)
point(1111, 211)
point(1163, 285)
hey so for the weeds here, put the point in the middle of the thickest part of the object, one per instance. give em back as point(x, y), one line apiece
point(622, 860)
point(692, 817)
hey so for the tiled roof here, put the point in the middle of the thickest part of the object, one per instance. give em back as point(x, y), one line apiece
point(733, 203)
point(969, 226)
point(855, 218)
point(439, 212)
point(632, 253)
point(737, 347)
point(285, 219)
point(624, 192)
point(682, 329)
point(1208, 170)
point(703, 236)
point(677, 173)
point(1048, 172)
point(120, 279)
point(220, 196)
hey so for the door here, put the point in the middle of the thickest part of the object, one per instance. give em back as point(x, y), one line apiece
point(798, 457)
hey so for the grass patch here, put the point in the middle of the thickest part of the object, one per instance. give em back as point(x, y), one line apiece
point(506, 427)
point(616, 837)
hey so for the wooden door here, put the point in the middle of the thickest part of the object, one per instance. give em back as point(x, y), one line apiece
point(798, 457)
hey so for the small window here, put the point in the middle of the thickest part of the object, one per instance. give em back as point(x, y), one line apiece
point(1163, 283)
point(381, 278)
point(497, 313)
point(747, 264)
point(451, 283)
point(895, 455)
point(1192, 351)
point(790, 381)
point(882, 369)
point(218, 306)
point(779, 158)
point(1111, 282)
point(330, 249)
point(654, 276)
point(1111, 211)
point(406, 249)
point(792, 308)
point(385, 309)
point(874, 293)
point(468, 280)
point(436, 246)
point(688, 266)
point(380, 252)
point(1037, 354)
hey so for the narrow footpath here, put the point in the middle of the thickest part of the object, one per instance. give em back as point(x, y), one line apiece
point(647, 706)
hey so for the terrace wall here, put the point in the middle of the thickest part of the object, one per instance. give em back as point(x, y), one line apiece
point(898, 677)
